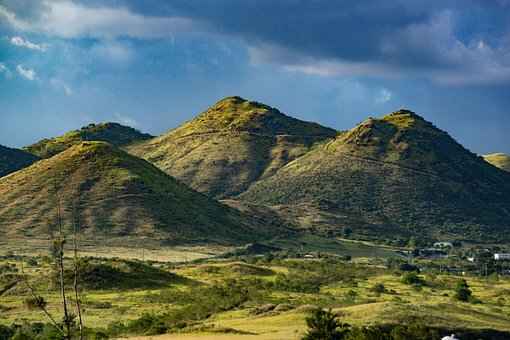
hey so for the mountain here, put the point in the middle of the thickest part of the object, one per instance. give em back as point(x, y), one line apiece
point(113, 133)
point(12, 160)
point(394, 176)
point(499, 160)
point(114, 192)
point(231, 145)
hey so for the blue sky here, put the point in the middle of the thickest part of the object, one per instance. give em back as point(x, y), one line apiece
point(153, 64)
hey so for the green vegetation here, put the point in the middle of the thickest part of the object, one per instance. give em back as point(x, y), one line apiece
point(231, 145)
point(499, 160)
point(12, 160)
point(398, 175)
point(324, 325)
point(112, 133)
point(278, 298)
point(462, 291)
point(117, 195)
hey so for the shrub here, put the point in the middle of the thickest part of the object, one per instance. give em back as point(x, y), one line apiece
point(406, 267)
point(35, 302)
point(412, 278)
point(378, 288)
point(462, 291)
point(323, 325)
point(298, 282)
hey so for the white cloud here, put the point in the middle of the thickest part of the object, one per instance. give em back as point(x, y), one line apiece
point(113, 51)
point(59, 84)
point(5, 70)
point(125, 120)
point(26, 73)
point(68, 19)
point(19, 41)
point(11, 18)
point(383, 96)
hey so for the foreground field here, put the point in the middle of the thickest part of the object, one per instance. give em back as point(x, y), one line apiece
point(250, 297)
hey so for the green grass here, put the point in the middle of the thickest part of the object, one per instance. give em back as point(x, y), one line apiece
point(216, 298)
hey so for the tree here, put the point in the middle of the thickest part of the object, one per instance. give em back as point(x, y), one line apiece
point(66, 328)
point(411, 278)
point(324, 325)
point(462, 291)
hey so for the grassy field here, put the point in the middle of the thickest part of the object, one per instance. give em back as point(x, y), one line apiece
point(146, 250)
point(251, 297)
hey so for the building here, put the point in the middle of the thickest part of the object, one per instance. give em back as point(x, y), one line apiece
point(443, 245)
point(501, 257)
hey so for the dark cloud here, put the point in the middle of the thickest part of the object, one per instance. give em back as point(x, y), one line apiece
point(441, 40)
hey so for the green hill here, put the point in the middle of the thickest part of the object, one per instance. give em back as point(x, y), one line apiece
point(499, 160)
point(12, 160)
point(112, 133)
point(231, 145)
point(394, 176)
point(117, 194)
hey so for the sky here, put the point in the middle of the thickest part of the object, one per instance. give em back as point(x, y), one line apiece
point(153, 64)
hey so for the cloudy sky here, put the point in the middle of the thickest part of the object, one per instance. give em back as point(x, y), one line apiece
point(153, 64)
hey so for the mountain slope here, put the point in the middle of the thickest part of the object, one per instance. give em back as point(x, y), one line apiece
point(231, 145)
point(397, 173)
point(112, 133)
point(12, 160)
point(499, 160)
point(117, 193)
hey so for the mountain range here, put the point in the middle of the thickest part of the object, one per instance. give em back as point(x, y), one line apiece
point(391, 177)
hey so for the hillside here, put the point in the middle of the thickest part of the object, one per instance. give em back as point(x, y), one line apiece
point(12, 160)
point(231, 145)
point(113, 133)
point(119, 195)
point(499, 160)
point(399, 176)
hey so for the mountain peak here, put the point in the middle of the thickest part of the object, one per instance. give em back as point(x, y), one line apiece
point(499, 160)
point(225, 149)
point(113, 133)
point(236, 114)
point(402, 126)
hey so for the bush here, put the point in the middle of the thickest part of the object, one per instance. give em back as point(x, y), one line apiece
point(35, 302)
point(298, 282)
point(412, 278)
point(406, 267)
point(323, 325)
point(378, 288)
point(462, 291)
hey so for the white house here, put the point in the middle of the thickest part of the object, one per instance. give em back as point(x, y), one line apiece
point(451, 337)
point(501, 257)
point(443, 245)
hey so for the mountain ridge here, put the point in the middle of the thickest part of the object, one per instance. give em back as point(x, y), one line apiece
point(118, 193)
point(223, 150)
